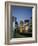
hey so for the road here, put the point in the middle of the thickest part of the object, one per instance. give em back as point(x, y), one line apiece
point(23, 35)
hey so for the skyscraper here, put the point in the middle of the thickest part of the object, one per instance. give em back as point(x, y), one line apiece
point(26, 25)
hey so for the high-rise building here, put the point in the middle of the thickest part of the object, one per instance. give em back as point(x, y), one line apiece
point(26, 25)
point(21, 26)
point(30, 25)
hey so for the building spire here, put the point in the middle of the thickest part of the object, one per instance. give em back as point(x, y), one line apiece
point(20, 17)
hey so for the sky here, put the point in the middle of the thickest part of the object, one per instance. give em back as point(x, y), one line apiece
point(21, 13)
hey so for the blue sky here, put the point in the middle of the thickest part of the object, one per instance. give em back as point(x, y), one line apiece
point(21, 13)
